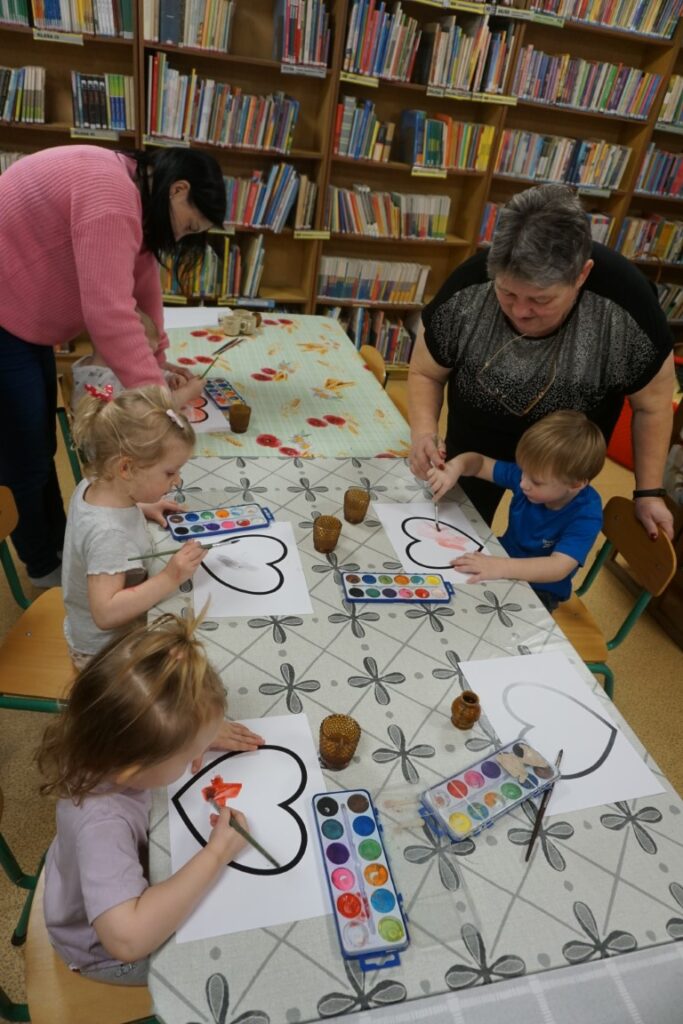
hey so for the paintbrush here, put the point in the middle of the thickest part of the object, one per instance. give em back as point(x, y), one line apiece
point(245, 835)
point(173, 551)
point(219, 353)
point(436, 516)
point(541, 809)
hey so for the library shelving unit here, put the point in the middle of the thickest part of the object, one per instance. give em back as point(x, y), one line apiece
point(253, 64)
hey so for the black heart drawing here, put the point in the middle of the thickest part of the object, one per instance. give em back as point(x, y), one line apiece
point(285, 805)
point(436, 561)
point(603, 746)
point(245, 563)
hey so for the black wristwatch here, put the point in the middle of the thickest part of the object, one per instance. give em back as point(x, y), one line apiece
point(652, 492)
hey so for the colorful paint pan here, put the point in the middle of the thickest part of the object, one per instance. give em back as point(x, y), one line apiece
point(366, 904)
point(464, 804)
point(221, 392)
point(398, 588)
point(217, 523)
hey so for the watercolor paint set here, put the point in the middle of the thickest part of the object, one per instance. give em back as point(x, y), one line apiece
point(399, 587)
point(214, 523)
point(366, 905)
point(221, 392)
point(474, 799)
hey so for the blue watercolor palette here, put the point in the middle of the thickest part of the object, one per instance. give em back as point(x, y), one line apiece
point(366, 905)
point(216, 523)
point(221, 392)
point(474, 799)
point(396, 587)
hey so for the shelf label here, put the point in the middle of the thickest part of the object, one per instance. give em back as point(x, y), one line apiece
point(94, 133)
point(227, 229)
point(309, 70)
point(457, 94)
point(428, 172)
point(160, 140)
point(547, 19)
point(174, 300)
point(348, 76)
point(306, 235)
point(494, 97)
point(435, 90)
point(49, 35)
point(666, 126)
point(588, 190)
point(463, 5)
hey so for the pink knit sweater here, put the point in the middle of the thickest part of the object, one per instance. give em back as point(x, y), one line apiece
point(71, 257)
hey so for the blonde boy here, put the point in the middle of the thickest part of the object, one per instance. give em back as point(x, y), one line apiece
point(555, 515)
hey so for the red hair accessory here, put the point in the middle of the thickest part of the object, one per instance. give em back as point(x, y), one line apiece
point(104, 395)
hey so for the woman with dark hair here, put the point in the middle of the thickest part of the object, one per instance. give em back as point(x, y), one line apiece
point(82, 232)
point(546, 320)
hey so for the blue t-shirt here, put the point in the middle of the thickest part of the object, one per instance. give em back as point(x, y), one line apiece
point(535, 530)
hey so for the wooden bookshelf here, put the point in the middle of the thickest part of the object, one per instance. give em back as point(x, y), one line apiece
point(292, 262)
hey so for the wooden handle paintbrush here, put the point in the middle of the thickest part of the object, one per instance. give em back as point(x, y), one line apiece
point(174, 551)
point(246, 835)
point(541, 809)
point(219, 353)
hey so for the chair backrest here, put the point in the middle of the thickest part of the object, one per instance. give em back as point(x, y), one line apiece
point(400, 400)
point(9, 517)
point(374, 360)
point(652, 562)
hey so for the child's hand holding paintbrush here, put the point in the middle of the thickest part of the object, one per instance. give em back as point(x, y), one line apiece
point(228, 830)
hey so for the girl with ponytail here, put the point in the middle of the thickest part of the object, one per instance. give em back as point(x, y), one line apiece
point(144, 708)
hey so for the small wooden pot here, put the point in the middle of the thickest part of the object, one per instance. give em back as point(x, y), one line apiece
point(465, 710)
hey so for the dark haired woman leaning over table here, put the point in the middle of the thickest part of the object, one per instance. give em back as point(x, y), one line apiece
point(82, 232)
point(547, 319)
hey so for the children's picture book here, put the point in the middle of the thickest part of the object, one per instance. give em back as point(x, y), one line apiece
point(272, 787)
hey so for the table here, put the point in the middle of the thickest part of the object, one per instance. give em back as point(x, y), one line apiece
point(310, 391)
point(604, 881)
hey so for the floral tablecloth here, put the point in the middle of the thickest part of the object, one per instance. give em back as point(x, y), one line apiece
point(602, 884)
point(310, 391)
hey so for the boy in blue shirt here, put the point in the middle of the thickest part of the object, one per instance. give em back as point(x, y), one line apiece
point(555, 515)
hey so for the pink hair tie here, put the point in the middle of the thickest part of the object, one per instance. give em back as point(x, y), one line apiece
point(105, 395)
point(173, 415)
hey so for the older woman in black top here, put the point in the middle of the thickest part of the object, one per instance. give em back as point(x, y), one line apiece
point(547, 319)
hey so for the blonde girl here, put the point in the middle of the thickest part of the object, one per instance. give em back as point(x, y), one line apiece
point(145, 708)
point(135, 446)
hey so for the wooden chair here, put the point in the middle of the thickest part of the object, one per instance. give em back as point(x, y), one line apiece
point(56, 995)
point(374, 360)
point(400, 400)
point(651, 563)
point(35, 668)
point(64, 392)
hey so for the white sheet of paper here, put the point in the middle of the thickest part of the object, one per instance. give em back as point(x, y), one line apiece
point(206, 417)
point(543, 698)
point(417, 542)
point(193, 316)
point(241, 900)
point(258, 573)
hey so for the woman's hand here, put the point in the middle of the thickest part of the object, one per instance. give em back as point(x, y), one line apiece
point(231, 736)
point(654, 514)
point(155, 511)
point(428, 451)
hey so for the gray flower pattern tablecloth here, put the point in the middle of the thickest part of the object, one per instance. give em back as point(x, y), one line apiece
point(601, 883)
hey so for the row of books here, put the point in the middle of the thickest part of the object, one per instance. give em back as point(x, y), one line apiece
point(393, 336)
point(461, 52)
point(204, 24)
point(358, 132)
point(372, 280)
point(184, 106)
point(22, 95)
point(671, 110)
point(7, 159)
point(654, 18)
point(440, 141)
point(94, 17)
point(265, 201)
point(362, 211)
point(380, 44)
point(587, 162)
point(103, 101)
point(235, 270)
point(661, 173)
point(302, 32)
point(585, 84)
point(600, 224)
point(671, 300)
point(651, 238)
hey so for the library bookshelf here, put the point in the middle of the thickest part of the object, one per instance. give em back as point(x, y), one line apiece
point(293, 259)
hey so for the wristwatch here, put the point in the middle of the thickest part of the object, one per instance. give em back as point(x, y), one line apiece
point(652, 492)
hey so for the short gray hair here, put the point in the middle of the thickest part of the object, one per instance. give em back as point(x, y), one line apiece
point(542, 236)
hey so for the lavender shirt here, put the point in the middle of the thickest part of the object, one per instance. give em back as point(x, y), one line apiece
point(96, 861)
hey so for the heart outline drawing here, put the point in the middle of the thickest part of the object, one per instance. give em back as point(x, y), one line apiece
point(272, 564)
point(528, 726)
point(422, 540)
point(285, 805)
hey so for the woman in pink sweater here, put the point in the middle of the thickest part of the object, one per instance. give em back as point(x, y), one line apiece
point(82, 232)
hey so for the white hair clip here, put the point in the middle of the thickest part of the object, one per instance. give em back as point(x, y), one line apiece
point(173, 415)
